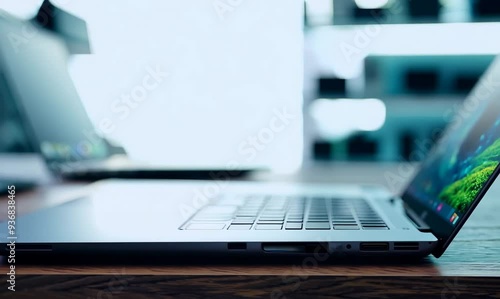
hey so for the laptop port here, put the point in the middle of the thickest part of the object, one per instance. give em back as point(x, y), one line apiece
point(317, 248)
point(406, 246)
point(374, 246)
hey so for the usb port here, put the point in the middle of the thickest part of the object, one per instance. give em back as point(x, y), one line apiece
point(374, 246)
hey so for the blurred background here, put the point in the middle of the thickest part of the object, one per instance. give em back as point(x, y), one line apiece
point(416, 60)
point(375, 80)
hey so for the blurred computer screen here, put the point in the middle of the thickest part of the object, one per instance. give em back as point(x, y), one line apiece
point(377, 76)
point(195, 83)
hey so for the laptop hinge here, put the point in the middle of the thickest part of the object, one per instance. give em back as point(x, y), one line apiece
point(419, 223)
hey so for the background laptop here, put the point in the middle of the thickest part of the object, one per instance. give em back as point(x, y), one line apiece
point(19, 184)
point(269, 219)
point(34, 75)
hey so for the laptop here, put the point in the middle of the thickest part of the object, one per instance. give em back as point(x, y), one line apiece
point(58, 126)
point(260, 219)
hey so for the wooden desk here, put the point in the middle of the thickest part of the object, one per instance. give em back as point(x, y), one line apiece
point(469, 269)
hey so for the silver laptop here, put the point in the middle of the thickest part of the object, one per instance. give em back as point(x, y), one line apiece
point(271, 219)
point(265, 219)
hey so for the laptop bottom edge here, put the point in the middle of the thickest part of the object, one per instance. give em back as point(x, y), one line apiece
point(320, 251)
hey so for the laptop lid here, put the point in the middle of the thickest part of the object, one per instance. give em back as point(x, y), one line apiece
point(33, 68)
point(463, 164)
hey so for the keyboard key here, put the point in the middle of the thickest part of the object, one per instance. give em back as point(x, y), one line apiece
point(205, 226)
point(381, 223)
point(345, 223)
point(273, 214)
point(372, 221)
point(270, 222)
point(268, 226)
point(247, 214)
point(317, 225)
point(271, 218)
point(317, 219)
point(293, 226)
point(375, 228)
point(345, 227)
point(243, 220)
point(240, 227)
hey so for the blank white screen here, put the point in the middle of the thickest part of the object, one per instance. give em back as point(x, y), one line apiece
point(230, 65)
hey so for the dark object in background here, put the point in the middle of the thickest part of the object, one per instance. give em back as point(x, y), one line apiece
point(464, 83)
point(364, 14)
point(421, 81)
point(159, 174)
point(486, 8)
point(19, 185)
point(360, 147)
point(70, 28)
point(425, 9)
point(332, 87)
point(45, 16)
point(322, 150)
point(74, 32)
point(407, 140)
point(13, 137)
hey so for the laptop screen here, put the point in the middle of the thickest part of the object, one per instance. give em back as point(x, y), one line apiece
point(464, 162)
point(33, 68)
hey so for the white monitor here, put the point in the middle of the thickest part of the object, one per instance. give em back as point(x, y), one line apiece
point(196, 83)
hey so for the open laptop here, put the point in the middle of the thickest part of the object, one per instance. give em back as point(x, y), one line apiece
point(34, 75)
point(268, 219)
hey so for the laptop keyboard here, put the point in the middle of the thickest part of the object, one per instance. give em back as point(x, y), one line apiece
point(286, 213)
